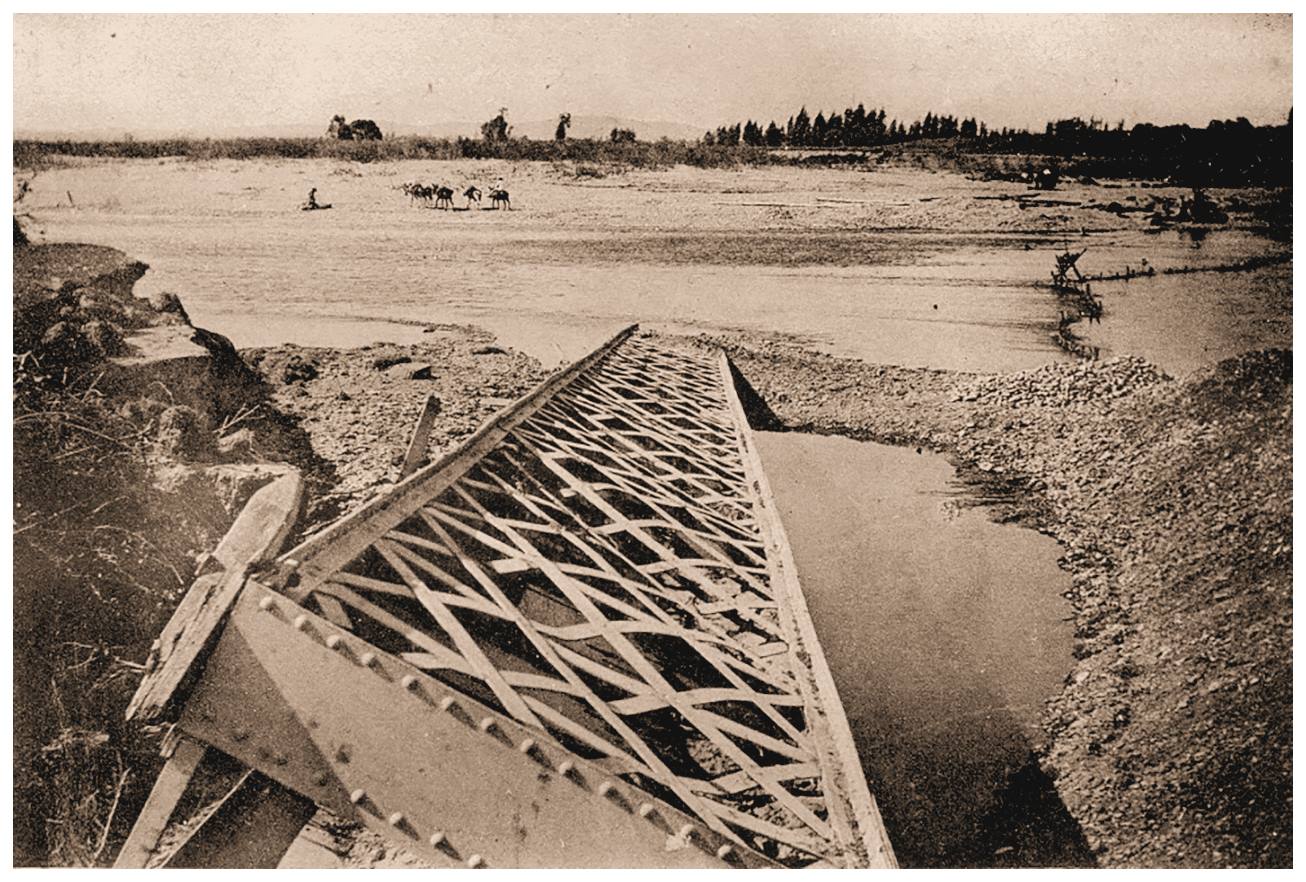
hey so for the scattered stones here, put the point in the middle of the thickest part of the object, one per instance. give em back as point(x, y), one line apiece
point(389, 360)
point(409, 371)
point(1060, 384)
point(298, 369)
point(360, 417)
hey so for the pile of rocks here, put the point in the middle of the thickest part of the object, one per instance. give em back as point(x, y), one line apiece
point(359, 406)
point(1062, 384)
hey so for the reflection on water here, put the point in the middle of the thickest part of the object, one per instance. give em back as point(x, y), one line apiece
point(945, 634)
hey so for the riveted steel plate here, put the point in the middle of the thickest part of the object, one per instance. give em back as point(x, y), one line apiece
point(372, 737)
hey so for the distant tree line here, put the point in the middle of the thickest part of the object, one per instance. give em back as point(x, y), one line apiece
point(855, 127)
point(1231, 150)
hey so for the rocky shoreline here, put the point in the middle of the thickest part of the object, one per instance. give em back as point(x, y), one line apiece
point(1170, 744)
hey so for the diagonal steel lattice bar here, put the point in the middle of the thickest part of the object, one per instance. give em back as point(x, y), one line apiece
point(602, 564)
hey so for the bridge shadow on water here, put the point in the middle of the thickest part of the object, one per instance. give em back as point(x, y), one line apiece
point(964, 795)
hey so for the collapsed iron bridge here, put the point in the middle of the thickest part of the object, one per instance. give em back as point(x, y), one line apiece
point(578, 639)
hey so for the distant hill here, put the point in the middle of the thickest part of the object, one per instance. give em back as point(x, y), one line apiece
point(581, 127)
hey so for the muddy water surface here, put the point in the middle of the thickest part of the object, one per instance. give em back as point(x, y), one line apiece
point(891, 266)
point(945, 633)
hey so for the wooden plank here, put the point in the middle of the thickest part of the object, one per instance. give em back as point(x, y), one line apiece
point(331, 548)
point(264, 524)
point(153, 819)
point(253, 828)
point(844, 780)
point(421, 435)
point(256, 534)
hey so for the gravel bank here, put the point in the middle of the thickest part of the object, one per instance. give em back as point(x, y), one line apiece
point(359, 407)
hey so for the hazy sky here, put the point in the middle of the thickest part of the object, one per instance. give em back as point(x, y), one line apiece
point(198, 73)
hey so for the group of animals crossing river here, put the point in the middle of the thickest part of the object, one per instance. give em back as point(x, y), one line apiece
point(442, 196)
point(432, 195)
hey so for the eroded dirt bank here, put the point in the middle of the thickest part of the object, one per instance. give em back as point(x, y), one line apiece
point(1171, 742)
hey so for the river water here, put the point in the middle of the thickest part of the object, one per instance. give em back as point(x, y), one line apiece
point(682, 250)
point(945, 633)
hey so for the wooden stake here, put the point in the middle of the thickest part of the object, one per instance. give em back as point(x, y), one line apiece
point(153, 819)
point(421, 434)
point(257, 534)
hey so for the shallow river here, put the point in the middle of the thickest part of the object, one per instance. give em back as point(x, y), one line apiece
point(945, 633)
point(574, 264)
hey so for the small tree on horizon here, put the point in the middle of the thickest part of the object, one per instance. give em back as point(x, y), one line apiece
point(619, 136)
point(801, 130)
point(497, 130)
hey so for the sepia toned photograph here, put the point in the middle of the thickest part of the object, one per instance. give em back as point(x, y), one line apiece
point(686, 441)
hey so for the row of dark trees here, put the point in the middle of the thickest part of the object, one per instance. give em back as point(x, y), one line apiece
point(855, 127)
point(1233, 151)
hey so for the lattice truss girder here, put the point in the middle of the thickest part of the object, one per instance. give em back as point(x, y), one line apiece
point(600, 574)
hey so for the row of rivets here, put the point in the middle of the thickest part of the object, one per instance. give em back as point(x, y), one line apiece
point(409, 682)
point(488, 725)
